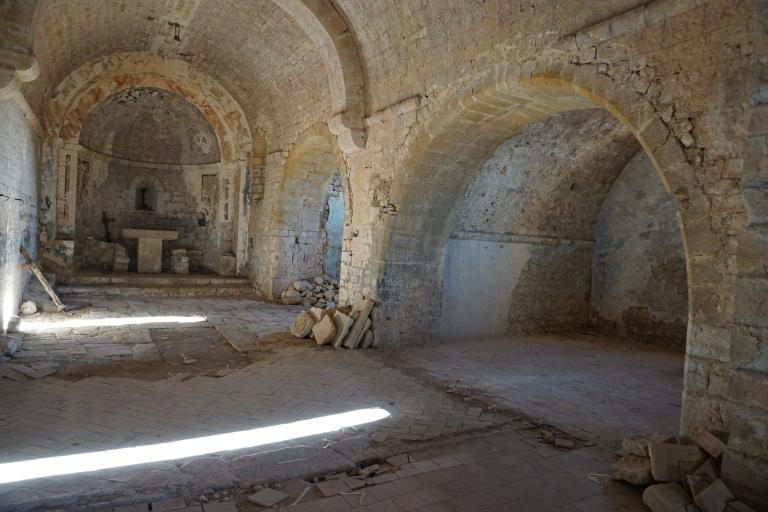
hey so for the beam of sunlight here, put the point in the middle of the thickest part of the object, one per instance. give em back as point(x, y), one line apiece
point(27, 326)
point(70, 464)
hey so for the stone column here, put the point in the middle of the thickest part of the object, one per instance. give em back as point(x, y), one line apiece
point(66, 190)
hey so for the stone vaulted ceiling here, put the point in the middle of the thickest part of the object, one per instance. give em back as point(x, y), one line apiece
point(253, 48)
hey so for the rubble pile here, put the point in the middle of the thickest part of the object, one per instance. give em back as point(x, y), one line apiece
point(348, 326)
point(680, 475)
point(322, 292)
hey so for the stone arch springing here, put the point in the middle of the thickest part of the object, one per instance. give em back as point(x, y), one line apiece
point(328, 30)
point(298, 240)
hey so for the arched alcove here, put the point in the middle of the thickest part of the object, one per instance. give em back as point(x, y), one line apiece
point(309, 212)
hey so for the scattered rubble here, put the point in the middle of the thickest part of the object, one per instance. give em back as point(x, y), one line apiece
point(346, 326)
point(683, 476)
point(321, 291)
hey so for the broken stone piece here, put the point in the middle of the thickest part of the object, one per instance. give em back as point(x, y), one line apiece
point(708, 469)
point(638, 443)
point(303, 324)
point(709, 442)
point(633, 469)
point(324, 330)
point(291, 297)
point(367, 339)
point(343, 324)
point(370, 470)
point(399, 460)
point(267, 497)
point(714, 498)
point(317, 313)
point(739, 506)
point(666, 498)
point(697, 483)
point(28, 308)
point(671, 462)
point(562, 442)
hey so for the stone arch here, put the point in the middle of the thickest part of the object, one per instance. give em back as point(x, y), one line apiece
point(446, 153)
point(296, 214)
point(328, 29)
point(95, 81)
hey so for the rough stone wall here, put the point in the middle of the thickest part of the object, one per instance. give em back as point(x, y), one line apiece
point(333, 225)
point(182, 204)
point(529, 215)
point(19, 153)
point(639, 282)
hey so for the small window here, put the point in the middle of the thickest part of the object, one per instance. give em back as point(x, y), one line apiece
point(145, 197)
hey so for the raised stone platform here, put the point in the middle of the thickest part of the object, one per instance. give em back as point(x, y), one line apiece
point(153, 285)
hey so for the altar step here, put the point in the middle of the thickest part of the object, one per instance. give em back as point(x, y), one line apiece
point(153, 285)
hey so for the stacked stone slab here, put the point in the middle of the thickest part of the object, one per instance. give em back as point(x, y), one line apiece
point(680, 476)
point(321, 291)
point(348, 327)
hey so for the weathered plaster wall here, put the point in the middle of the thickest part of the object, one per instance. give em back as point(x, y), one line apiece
point(639, 283)
point(187, 200)
point(150, 125)
point(334, 228)
point(521, 244)
point(19, 153)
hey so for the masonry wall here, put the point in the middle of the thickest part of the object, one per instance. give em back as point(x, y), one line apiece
point(639, 282)
point(19, 152)
point(187, 200)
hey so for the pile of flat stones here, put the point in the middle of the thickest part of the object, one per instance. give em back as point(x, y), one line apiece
point(322, 291)
point(680, 474)
point(348, 326)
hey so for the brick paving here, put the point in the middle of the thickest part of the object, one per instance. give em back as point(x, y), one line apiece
point(294, 380)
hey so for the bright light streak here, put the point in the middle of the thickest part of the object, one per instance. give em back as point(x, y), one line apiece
point(70, 464)
point(27, 326)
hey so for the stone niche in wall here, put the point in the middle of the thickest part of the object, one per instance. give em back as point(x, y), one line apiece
point(151, 160)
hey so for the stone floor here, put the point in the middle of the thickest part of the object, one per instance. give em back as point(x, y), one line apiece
point(479, 401)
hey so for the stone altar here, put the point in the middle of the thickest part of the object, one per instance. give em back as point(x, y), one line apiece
point(150, 252)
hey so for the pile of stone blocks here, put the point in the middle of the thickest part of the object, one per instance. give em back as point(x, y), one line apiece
point(680, 475)
point(348, 327)
point(322, 291)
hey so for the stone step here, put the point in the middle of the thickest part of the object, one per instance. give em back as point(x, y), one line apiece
point(134, 279)
point(229, 290)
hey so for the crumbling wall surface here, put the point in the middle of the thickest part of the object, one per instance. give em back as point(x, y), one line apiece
point(19, 151)
point(182, 204)
point(639, 282)
point(150, 125)
point(528, 217)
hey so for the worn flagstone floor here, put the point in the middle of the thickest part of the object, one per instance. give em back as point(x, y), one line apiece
point(476, 399)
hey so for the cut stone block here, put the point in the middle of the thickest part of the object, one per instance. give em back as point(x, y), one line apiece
point(362, 322)
point(638, 443)
point(671, 462)
point(303, 324)
point(709, 442)
point(324, 330)
point(367, 339)
point(739, 506)
point(317, 313)
point(714, 498)
point(708, 469)
point(267, 497)
point(696, 483)
point(169, 504)
point(343, 325)
point(666, 498)
point(633, 469)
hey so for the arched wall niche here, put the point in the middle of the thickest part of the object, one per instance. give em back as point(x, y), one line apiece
point(444, 156)
point(298, 239)
point(75, 97)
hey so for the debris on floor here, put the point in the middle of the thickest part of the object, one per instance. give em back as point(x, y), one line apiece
point(347, 326)
point(680, 474)
point(321, 291)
